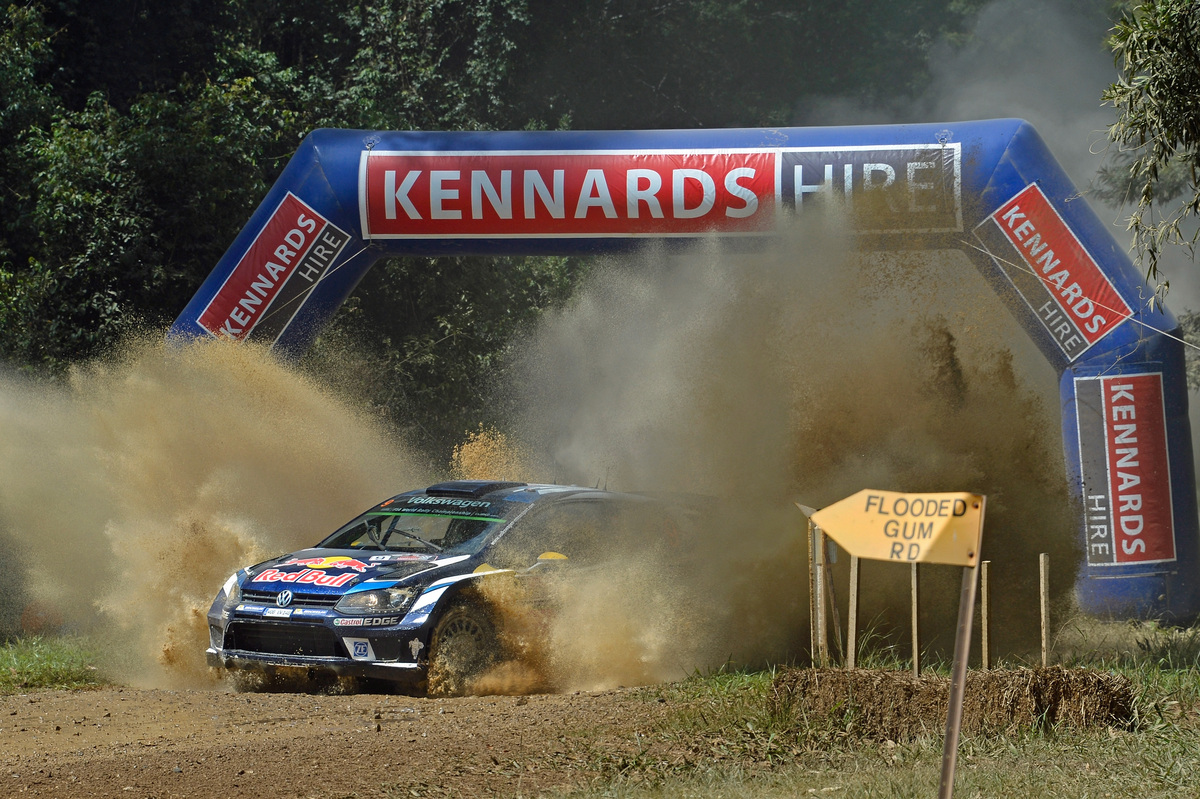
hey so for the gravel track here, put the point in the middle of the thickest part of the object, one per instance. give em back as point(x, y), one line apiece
point(128, 743)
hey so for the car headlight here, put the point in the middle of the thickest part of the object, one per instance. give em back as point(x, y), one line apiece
point(383, 600)
point(233, 591)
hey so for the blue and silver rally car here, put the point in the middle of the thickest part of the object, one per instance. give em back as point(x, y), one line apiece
point(396, 595)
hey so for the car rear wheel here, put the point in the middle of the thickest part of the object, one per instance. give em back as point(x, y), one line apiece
point(463, 647)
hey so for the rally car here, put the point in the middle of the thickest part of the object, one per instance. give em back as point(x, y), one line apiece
point(396, 594)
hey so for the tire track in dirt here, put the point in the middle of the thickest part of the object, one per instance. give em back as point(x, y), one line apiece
point(128, 743)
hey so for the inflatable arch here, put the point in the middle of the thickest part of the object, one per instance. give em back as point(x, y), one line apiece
point(990, 188)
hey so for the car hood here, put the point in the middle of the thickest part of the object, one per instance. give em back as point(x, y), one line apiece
point(333, 571)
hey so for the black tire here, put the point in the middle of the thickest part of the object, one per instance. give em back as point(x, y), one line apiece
point(464, 645)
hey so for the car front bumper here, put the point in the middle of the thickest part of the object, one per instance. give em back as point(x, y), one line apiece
point(400, 672)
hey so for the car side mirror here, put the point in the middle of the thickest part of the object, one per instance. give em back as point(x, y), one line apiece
point(548, 558)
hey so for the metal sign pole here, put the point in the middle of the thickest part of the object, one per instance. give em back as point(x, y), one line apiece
point(1044, 594)
point(958, 680)
point(852, 624)
point(822, 602)
point(830, 558)
point(958, 677)
point(812, 593)
point(916, 620)
point(985, 642)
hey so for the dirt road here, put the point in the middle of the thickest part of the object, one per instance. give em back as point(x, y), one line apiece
point(129, 743)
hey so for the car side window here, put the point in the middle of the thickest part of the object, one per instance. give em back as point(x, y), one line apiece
point(578, 530)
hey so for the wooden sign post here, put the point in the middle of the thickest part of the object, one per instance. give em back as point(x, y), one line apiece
point(919, 528)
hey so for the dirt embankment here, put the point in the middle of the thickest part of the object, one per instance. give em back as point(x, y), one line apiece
point(128, 743)
point(878, 704)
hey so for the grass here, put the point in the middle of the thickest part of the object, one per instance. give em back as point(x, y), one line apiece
point(726, 740)
point(1098, 764)
point(37, 662)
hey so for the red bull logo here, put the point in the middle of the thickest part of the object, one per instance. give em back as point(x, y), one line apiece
point(306, 577)
point(335, 562)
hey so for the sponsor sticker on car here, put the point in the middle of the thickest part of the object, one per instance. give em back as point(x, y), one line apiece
point(305, 577)
point(359, 648)
point(367, 621)
point(334, 562)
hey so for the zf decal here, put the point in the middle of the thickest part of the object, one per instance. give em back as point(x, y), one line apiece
point(359, 648)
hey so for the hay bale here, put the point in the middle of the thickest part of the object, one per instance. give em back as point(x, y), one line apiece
point(895, 705)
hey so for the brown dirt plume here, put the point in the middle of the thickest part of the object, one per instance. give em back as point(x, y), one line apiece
point(489, 454)
point(614, 624)
point(139, 486)
point(805, 371)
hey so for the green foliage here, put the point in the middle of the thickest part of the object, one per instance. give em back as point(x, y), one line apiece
point(394, 64)
point(715, 63)
point(430, 337)
point(24, 53)
point(130, 198)
point(129, 213)
point(1156, 43)
point(140, 136)
point(47, 663)
point(124, 49)
point(26, 102)
point(432, 64)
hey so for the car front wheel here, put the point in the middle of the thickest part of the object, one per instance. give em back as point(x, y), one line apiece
point(463, 647)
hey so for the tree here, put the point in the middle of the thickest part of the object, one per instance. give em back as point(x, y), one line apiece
point(1157, 49)
point(623, 64)
point(26, 102)
point(427, 340)
point(139, 137)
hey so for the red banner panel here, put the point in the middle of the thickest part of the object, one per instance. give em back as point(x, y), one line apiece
point(1063, 284)
point(295, 241)
point(565, 194)
point(1127, 484)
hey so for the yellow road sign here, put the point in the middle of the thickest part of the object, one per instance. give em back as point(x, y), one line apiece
point(922, 528)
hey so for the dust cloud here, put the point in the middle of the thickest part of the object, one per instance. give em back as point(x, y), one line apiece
point(804, 372)
point(735, 382)
point(133, 491)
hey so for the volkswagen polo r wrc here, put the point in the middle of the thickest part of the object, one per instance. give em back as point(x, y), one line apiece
point(395, 594)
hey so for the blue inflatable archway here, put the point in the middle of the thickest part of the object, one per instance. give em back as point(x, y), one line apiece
point(990, 188)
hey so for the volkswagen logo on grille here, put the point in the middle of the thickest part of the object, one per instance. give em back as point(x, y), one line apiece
point(284, 599)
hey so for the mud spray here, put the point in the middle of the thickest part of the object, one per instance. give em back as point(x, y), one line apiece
point(805, 372)
point(131, 493)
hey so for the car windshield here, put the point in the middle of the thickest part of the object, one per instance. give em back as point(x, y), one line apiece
point(423, 524)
